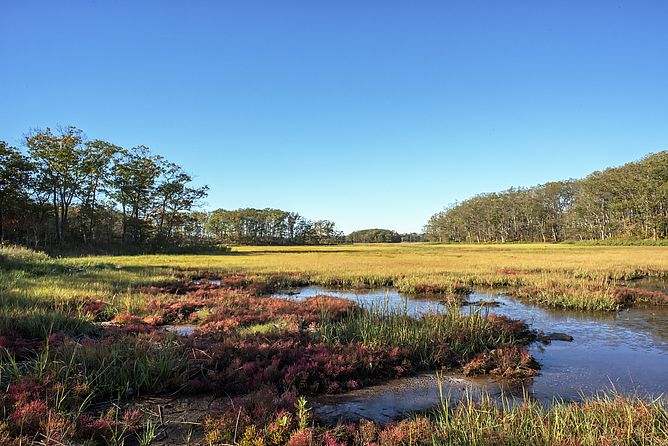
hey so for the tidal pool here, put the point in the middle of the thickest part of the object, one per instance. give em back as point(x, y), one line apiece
point(626, 352)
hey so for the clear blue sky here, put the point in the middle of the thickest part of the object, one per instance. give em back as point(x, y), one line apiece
point(369, 113)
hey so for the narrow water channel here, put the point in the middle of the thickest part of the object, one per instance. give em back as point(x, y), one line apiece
point(626, 352)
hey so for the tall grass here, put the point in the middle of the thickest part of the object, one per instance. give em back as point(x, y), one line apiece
point(577, 277)
point(427, 336)
point(605, 419)
point(108, 370)
point(572, 276)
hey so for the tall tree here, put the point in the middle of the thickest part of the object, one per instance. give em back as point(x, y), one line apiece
point(15, 175)
point(59, 156)
point(133, 178)
point(96, 166)
point(174, 196)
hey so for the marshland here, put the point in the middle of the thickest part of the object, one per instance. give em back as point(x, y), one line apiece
point(346, 344)
point(346, 223)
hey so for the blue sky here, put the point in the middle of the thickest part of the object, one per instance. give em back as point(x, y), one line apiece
point(369, 113)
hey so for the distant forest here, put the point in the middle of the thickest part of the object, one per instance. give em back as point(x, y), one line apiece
point(63, 192)
point(627, 202)
point(269, 227)
point(374, 236)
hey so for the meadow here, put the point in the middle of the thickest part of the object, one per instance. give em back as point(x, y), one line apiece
point(564, 275)
point(84, 343)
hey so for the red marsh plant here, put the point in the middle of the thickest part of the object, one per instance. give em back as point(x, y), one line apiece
point(626, 296)
point(223, 308)
point(361, 347)
point(291, 361)
point(47, 397)
point(203, 282)
point(506, 361)
point(240, 310)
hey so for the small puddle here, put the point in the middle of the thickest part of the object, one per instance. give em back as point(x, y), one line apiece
point(181, 330)
point(625, 351)
point(214, 282)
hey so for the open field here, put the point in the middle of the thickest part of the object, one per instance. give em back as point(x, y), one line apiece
point(571, 276)
point(85, 341)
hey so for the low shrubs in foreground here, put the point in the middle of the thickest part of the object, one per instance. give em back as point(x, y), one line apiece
point(62, 391)
point(245, 342)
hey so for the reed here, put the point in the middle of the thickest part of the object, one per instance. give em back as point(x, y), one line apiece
point(430, 336)
point(604, 419)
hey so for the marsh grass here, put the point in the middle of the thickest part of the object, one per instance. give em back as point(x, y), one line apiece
point(39, 323)
point(604, 419)
point(571, 276)
point(430, 336)
point(566, 276)
point(41, 296)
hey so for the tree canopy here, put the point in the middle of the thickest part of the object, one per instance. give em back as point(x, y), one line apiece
point(374, 235)
point(270, 227)
point(64, 191)
point(626, 202)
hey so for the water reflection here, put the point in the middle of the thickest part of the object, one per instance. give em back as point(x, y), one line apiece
point(625, 351)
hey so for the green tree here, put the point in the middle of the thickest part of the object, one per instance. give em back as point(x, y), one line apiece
point(60, 159)
point(15, 178)
point(133, 178)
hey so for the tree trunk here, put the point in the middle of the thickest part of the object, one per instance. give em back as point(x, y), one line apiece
point(56, 219)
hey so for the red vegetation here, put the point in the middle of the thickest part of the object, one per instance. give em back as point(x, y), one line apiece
point(224, 359)
point(457, 288)
point(291, 362)
point(27, 403)
point(509, 271)
point(283, 427)
point(508, 361)
point(626, 296)
point(238, 310)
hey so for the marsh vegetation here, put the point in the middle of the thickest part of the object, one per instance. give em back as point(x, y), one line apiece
point(84, 344)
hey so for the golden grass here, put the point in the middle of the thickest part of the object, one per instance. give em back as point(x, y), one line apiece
point(580, 277)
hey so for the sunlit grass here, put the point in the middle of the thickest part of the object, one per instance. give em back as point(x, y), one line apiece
point(604, 419)
point(571, 276)
point(578, 277)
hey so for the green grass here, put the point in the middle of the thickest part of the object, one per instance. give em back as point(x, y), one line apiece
point(572, 276)
point(383, 327)
point(603, 420)
point(606, 419)
point(41, 296)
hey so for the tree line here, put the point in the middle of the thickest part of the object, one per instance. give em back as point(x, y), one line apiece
point(374, 235)
point(270, 227)
point(626, 202)
point(64, 189)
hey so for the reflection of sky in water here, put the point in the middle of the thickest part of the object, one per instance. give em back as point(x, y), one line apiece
point(626, 350)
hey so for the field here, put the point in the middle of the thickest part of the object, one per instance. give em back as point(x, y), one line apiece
point(85, 343)
point(570, 276)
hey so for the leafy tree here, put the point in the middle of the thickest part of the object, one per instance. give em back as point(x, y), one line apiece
point(15, 177)
point(96, 166)
point(133, 179)
point(60, 159)
point(174, 196)
point(629, 201)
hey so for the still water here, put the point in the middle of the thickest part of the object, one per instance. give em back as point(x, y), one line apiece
point(625, 351)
